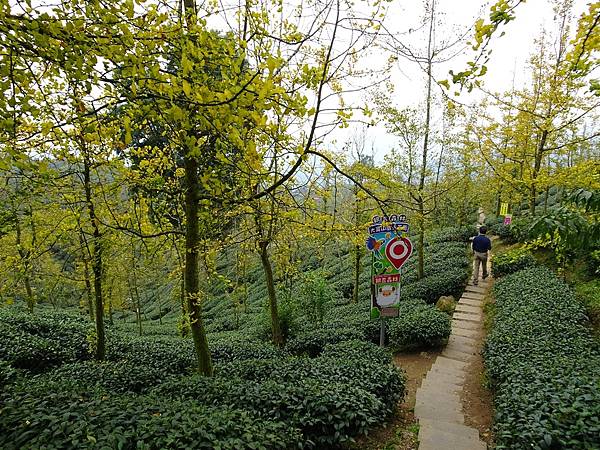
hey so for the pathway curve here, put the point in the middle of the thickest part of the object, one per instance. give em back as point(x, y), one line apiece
point(438, 405)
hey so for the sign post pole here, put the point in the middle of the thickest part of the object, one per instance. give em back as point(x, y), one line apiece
point(382, 333)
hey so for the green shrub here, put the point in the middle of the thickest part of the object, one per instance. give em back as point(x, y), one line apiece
point(315, 293)
point(418, 325)
point(357, 349)
point(112, 377)
point(383, 381)
point(456, 234)
point(313, 342)
point(543, 363)
point(588, 295)
point(326, 412)
point(593, 263)
point(512, 261)
point(76, 419)
point(238, 349)
point(39, 342)
point(8, 374)
point(502, 231)
point(167, 354)
point(430, 288)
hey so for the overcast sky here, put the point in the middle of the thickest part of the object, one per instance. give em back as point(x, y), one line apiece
point(508, 59)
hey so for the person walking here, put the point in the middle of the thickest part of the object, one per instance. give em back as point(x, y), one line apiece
point(481, 246)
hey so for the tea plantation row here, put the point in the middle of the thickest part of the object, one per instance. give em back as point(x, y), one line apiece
point(146, 397)
point(543, 362)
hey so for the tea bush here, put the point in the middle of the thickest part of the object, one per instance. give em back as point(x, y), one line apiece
point(512, 261)
point(167, 354)
point(430, 288)
point(357, 349)
point(418, 325)
point(544, 365)
point(448, 234)
point(313, 342)
point(39, 342)
point(326, 412)
point(71, 419)
point(112, 377)
point(384, 381)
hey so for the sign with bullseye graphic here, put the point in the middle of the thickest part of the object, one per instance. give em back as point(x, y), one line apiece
point(390, 249)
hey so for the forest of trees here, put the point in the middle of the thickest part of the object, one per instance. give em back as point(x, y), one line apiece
point(199, 168)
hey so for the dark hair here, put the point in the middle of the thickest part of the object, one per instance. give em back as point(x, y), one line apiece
point(483, 229)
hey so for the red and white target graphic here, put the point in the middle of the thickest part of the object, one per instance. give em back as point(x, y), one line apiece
point(398, 250)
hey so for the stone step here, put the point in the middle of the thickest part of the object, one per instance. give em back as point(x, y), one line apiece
point(477, 318)
point(462, 348)
point(467, 309)
point(435, 412)
point(472, 296)
point(476, 290)
point(448, 403)
point(465, 324)
point(444, 375)
point(458, 355)
point(455, 346)
point(480, 284)
point(440, 361)
point(428, 425)
point(470, 302)
point(439, 440)
point(467, 341)
point(442, 382)
point(465, 332)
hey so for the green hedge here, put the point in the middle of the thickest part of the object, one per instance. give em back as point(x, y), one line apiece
point(449, 234)
point(327, 412)
point(112, 377)
point(384, 381)
point(312, 343)
point(512, 261)
point(42, 341)
point(79, 419)
point(544, 365)
point(357, 349)
point(430, 288)
point(166, 354)
point(418, 325)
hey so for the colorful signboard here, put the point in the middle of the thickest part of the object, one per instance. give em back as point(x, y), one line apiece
point(507, 219)
point(503, 209)
point(390, 249)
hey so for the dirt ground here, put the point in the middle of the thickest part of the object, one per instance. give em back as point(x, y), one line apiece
point(401, 432)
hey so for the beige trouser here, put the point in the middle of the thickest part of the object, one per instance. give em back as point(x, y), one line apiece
point(480, 258)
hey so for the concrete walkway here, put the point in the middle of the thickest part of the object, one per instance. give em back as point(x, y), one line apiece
point(438, 405)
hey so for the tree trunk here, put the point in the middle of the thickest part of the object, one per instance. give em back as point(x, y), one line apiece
point(192, 280)
point(421, 245)
point(96, 260)
point(357, 247)
point(185, 329)
point(24, 254)
point(421, 200)
point(86, 276)
point(136, 292)
point(266, 263)
point(356, 273)
point(536, 170)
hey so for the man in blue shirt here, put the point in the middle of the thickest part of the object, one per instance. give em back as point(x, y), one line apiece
point(481, 245)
